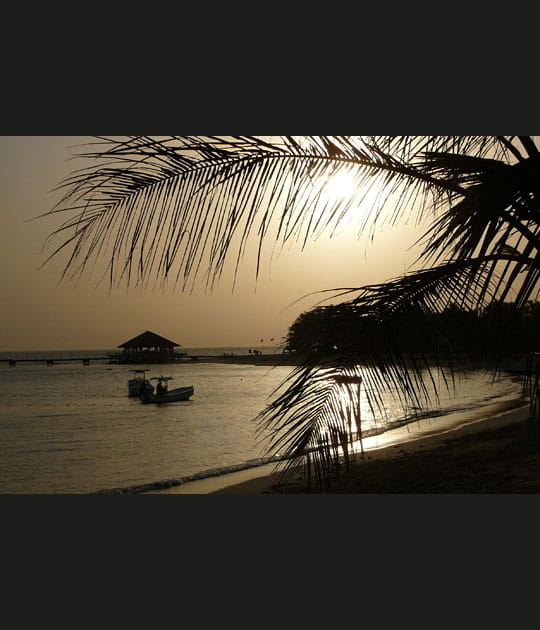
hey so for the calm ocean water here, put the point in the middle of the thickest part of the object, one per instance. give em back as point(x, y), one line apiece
point(71, 428)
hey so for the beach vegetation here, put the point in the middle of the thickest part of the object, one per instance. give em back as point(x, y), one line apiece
point(177, 208)
point(459, 330)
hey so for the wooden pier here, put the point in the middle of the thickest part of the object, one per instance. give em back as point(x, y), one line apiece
point(253, 359)
point(51, 362)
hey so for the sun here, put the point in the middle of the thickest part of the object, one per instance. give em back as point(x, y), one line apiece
point(340, 186)
point(345, 200)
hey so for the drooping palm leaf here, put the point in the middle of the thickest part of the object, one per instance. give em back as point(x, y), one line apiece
point(390, 343)
point(180, 207)
point(171, 207)
point(479, 224)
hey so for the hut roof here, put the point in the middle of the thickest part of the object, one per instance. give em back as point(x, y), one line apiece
point(149, 339)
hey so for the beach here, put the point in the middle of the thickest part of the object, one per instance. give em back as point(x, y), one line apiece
point(81, 433)
point(495, 451)
point(499, 454)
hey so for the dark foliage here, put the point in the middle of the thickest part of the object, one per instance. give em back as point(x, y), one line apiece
point(498, 328)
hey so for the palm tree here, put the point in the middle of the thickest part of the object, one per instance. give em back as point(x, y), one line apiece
point(176, 208)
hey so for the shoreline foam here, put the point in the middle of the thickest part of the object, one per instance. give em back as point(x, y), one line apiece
point(421, 434)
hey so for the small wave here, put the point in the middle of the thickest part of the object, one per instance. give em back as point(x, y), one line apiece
point(203, 474)
point(53, 415)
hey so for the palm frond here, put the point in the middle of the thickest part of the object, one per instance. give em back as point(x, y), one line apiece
point(390, 342)
point(176, 207)
point(181, 207)
point(496, 215)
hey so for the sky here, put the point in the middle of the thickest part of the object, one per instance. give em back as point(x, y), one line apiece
point(38, 312)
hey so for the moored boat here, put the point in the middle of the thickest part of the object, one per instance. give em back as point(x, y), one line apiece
point(139, 383)
point(163, 394)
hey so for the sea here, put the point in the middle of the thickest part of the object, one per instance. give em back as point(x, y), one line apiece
point(70, 427)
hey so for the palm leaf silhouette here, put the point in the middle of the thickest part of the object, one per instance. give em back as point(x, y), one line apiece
point(178, 208)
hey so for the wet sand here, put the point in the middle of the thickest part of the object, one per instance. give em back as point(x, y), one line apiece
point(499, 454)
point(495, 449)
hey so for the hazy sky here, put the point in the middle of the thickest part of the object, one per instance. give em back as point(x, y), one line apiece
point(38, 313)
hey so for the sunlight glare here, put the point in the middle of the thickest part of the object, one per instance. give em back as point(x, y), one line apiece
point(340, 186)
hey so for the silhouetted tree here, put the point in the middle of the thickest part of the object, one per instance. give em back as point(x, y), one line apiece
point(499, 327)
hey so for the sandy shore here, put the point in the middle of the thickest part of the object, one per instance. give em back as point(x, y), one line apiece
point(493, 449)
point(495, 454)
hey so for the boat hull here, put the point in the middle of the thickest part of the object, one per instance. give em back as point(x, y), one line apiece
point(175, 395)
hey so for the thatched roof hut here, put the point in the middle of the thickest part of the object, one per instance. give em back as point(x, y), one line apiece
point(149, 341)
point(148, 347)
